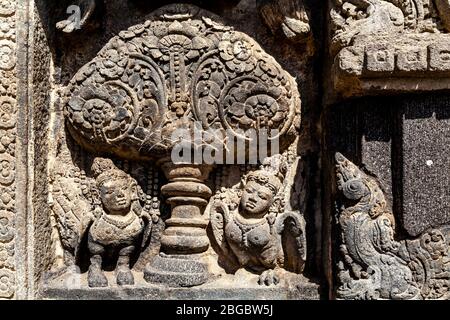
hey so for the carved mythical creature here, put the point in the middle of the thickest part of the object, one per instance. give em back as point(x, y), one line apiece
point(72, 208)
point(251, 227)
point(118, 224)
point(375, 265)
point(110, 214)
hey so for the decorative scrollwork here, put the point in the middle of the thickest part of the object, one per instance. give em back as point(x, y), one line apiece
point(7, 283)
point(164, 74)
point(7, 55)
point(7, 169)
point(7, 112)
point(6, 226)
point(7, 7)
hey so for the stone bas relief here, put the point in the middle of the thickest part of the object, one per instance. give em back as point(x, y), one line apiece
point(94, 206)
point(250, 222)
point(163, 75)
point(389, 45)
point(121, 228)
point(374, 264)
point(107, 210)
point(8, 132)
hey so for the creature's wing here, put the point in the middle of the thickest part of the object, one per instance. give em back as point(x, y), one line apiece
point(291, 228)
point(219, 215)
point(71, 211)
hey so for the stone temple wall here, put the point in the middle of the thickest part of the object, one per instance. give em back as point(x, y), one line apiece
point(265, 149)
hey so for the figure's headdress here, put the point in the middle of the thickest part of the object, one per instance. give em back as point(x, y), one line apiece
point(271, 174)
point(105, 170)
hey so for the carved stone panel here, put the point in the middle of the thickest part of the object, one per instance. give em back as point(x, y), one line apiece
point(388, 46)
point(128, 215)
point(8, 133)
point(374, 263)
point(242, 149)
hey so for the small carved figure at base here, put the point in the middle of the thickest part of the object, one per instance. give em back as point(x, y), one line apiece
point(107, 212)
point(118, 224)
point(249, 225)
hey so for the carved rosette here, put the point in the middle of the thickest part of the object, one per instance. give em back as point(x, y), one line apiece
point(374, 264)
point(8, 116)
point(170, 71)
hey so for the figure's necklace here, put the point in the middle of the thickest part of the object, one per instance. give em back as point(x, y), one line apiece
point(119, 223)
point(247, 227)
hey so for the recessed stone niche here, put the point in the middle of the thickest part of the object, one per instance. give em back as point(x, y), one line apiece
point(272, 149)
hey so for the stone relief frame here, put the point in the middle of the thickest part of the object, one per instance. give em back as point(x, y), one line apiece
point(76, 186)
point(371, 245)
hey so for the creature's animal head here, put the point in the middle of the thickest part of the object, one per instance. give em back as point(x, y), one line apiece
point(358, 191)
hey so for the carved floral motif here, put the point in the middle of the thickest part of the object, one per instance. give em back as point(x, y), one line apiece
point(7, 55)
point(8, 115)
point(7, 8)
point(375, 265)
point(168, 72)
point(7, 169)
point(7, 112)
point(7, 283)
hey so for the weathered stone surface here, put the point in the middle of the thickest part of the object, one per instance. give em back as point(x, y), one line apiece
point(113, 184)
point(238, 287)
point(425, 137)
point(115, 178)
point(397, 46)
point(374, 264)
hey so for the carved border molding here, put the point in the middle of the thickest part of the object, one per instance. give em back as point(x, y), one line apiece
point(389, 46)
point(8, 132)
point(375, 264)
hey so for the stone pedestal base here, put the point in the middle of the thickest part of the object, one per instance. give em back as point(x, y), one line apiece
point(176, 271)
point(225, 288)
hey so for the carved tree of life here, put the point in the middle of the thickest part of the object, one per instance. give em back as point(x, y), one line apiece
point(177, 68)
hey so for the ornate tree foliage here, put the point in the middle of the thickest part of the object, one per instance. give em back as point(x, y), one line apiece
point(178, 67)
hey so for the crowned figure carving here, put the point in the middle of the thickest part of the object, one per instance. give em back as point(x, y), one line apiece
point(181, 69)
point(108, 213)
point(250, 224)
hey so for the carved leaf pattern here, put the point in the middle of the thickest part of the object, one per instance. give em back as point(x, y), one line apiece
point(169, 71)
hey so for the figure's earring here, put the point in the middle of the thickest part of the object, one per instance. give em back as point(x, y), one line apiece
point(134, 191)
